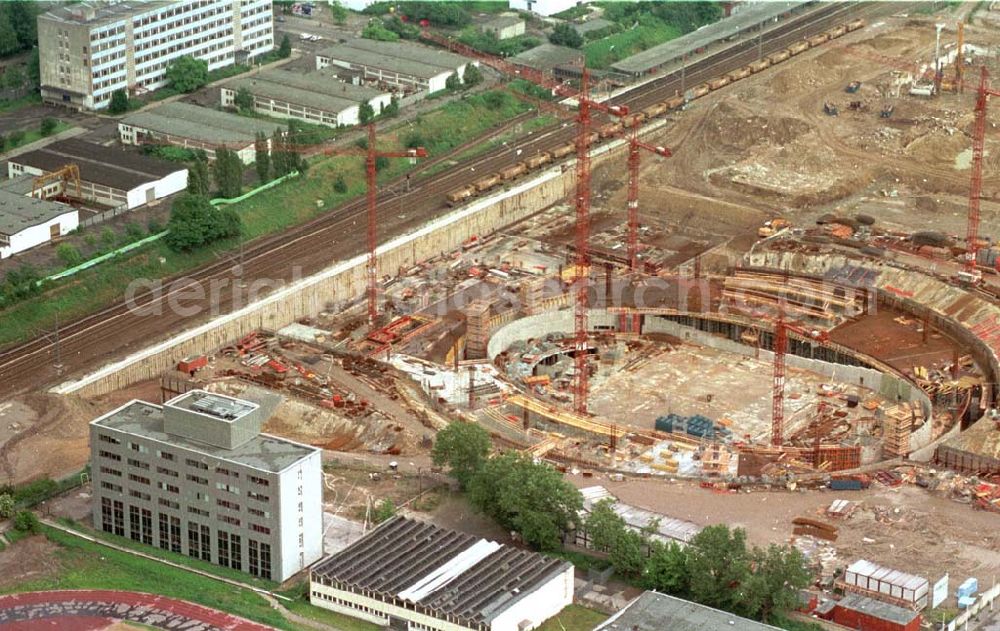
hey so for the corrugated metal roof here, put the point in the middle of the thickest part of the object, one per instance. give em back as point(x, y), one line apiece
point(653, 611)
point(887, 575)
point(754, 13)
point(201, 123)
point(668, 528)
point(877, 608)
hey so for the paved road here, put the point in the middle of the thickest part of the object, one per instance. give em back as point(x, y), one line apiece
point(93, 609)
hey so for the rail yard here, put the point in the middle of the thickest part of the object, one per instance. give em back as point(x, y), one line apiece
point(793, 297)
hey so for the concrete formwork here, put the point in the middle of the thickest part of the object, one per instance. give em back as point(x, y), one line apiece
point(345, 281)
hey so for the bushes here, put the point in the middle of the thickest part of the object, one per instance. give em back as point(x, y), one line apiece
point(68, 254)
point(195, 223)
point(565, 35)
point(19, 284)
point(47, 126)
point(119, 102)
point(488, 42)
point(27, 522)
point(376, 31)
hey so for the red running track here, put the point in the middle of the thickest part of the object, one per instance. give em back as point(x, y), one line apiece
point(84, 610)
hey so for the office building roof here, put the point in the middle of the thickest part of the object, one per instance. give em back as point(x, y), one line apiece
point(751, 15)
point(547, 56)
point(264, 452)
point(318, 90)
point(19, 212)
point(653, 611)
point(877, 609)
point(97, 13)
point(449, 573)
point(202, 124)
point(108, 166)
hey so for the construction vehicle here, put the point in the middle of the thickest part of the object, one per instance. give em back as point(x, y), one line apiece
point(853, 87)
point(887, 110)
point(830, 109)
point(772, 226)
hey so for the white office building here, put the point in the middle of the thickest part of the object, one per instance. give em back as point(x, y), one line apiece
point(196, 476)
point(90, 49)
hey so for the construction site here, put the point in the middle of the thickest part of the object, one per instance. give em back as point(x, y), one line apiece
point(791, 281)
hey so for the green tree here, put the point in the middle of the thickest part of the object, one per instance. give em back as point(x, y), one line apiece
point(8, 36)
point(453, 82)
point(339, 185)
point(717, 561)
point(604, 525)
point(26, 521)
point(47, 126)
point(666, 568)
point(472, 75)
point(391, 109)
point(243, 100)
point(366, 112)
point(377, 31)
point(228, 173)
point(187, 74)
point(68, 254)
point(16, 137)
point(532, 499)
point(108, 238)
point(198, 180)
point(285, 48)
point(401, 28)
point(119, 102)
point(628, 553)
point(194, 223)
point(779, 572)
point(6, 506)
point(384, 510)
point(463, 448)
point(565, 35)
point(14, 78)
point(262, 158)
point(3, 142)
point(338, 13)
point(34, 68)
point(24, 20)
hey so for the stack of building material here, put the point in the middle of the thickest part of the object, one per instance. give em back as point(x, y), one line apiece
point(896, 431)
point(477, 329)
point(804, 526)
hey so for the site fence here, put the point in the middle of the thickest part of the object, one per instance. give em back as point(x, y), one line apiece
point(93, 220)
point(985, 600)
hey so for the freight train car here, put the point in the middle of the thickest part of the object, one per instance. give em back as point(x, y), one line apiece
point(742, 73)
point(540, 160)
point(837, 31)
point(816, 40)
point(513, 172)
point(459, 195)
point(563, 150)
point(798, 47)
point(854, 25)
point(486, 183)
point(780, 56)
point(718, 82)
point(759, 65)
point(609, 130)
point(700, 90)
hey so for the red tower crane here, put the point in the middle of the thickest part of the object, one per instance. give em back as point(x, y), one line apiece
point(976, 186)
point(372, 154)
point(634, 147)
point(781, 329)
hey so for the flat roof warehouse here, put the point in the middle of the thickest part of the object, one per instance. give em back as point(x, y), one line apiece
point(201, 123)
point(107, 166)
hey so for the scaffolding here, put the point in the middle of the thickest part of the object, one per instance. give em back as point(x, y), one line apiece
point(477, 316)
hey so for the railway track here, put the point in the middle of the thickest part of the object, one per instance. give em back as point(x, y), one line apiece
point(310, 247)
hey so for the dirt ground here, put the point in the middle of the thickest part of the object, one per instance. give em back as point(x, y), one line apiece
point(905, 528)
point(31, 559)
point(744, 153)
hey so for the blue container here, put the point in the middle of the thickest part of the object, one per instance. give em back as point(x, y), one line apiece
point(965, 603)
point(967, 589)
point(845, 485)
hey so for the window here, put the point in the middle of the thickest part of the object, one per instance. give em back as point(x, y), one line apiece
point(225, 471)
point(139, 465)
point(265, 561)
point(229, 520)
point(206, 544)
point(119, 515)
point(147, 526)
point(170, 488)
point(110, 456)
point(227, 487)
point(110, 471)
point(223, 548)
point(136, 447)
point(138, 478)
point(166, 455)
point(260, 481)
point(256, 512)
point(175, 534)
point(253, 556)
point(193, 540)
point(198, 511)
point(257, 496)
point(196, 479)
point(228, 504)
point(108, 439)
point(261, 529)
point(165, 502)
point(196, 464)
point(139, 494)
point(164, 532)
point(134, 529)
point(235, 553)
point(168, 472)
point(111, 487)
point(107, 519)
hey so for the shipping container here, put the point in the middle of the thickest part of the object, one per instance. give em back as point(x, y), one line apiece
point(845, 485)
point(888, 582)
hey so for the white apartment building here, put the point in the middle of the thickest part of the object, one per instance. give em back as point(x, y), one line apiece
point(90, 49)
point(195, 476)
